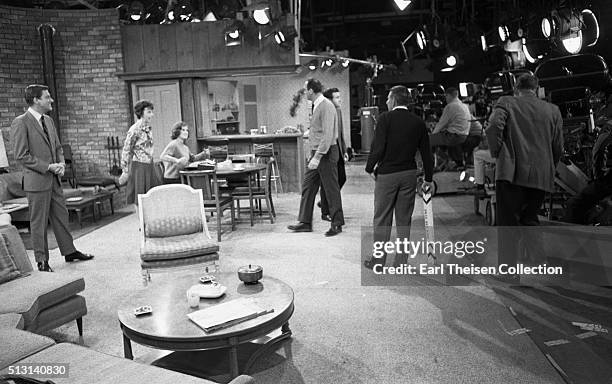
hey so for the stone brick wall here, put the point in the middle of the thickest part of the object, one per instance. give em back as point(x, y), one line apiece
point(92, 100)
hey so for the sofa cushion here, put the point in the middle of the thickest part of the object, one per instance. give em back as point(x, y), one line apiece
point(30, 295)
point(177, 247)
point(89, 366)
point(8, 269)
point(11, 320)
point(13, 242)
point(173, 226)
point(17, 345)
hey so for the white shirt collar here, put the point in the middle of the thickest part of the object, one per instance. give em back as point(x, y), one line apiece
point(318, 101)
point(36, 115)
point(400, 107)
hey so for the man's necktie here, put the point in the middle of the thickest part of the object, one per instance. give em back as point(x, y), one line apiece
point(42, 122)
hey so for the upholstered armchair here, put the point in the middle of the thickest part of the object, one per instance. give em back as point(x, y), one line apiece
point(173, 230)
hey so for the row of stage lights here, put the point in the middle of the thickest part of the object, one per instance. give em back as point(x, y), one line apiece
point(566, 28)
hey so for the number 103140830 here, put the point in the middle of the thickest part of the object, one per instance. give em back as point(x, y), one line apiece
point(39, 369)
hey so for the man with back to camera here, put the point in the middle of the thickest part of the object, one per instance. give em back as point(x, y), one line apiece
point(525, 136)
point(454, 125)
point(37, 148)
point(322, 166)
point(398, 136)
point(333, 94)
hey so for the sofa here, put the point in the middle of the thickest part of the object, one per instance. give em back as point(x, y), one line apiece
point(33, 302)
point(40, 301)
point(85, 365)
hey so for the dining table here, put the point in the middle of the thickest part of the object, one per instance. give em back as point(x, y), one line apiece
point(223, 170)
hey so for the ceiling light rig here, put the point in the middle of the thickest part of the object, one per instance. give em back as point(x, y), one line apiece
point(340, 62)
point(402, 4)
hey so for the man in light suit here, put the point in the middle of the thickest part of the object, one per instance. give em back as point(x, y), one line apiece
point(37, 148)
point(323, 164)
point(525, 136)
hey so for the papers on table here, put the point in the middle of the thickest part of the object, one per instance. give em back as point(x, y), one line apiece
point(227, 314)
point(204, 164)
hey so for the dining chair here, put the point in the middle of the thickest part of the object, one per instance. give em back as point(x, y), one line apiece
point(264, 151)
point(213, 200)
point(219, 149)
point(173, 230)
point(258, 193)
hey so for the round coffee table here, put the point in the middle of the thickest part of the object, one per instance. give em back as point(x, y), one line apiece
point(169, 328)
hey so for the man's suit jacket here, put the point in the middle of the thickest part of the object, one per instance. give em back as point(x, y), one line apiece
point(34, 151)
point(341, 142)
point(525, 134)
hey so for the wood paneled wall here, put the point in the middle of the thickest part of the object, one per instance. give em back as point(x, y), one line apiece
point(189, 47)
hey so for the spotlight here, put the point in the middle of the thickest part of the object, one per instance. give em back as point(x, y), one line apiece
point(533, 50)
point(573, 44)
point(233, 34)
point(210, 17)
point(451, 60)
point(402, 4)
point(483, 43)
point(421, 40)
point(284, 36)
point(136, 10)
point(503, 32)
point(262, 16)
point(590, 31)
point(312, 64)
point(546, 27)
point(345, 63)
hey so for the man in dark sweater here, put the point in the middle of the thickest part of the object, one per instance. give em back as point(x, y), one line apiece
point(399, 135)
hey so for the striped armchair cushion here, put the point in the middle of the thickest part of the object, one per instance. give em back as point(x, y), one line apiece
point(173, 226)
point(177, 247)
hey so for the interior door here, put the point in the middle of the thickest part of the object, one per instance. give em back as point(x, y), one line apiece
point(166, 100)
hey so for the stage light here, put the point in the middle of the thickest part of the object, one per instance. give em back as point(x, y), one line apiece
point(533, 50)
point(546, 27)
point(421, 40)
point(210, 17)
point(136, 10)
point(312, 64)
point(345, 63)
point(573, 44)
point(284, 36)
point(261, 16)
point(451, 60)
point(279, 37)
point(402, 4)
point(503, 32)
point(233, 34)
point(483, 43)
point(590, 30)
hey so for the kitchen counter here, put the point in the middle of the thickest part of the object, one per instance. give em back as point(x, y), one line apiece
point(288, 151)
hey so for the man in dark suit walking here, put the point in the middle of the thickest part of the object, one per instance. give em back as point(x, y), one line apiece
point(399, 135)
point(525, 136)
point(333, 95)
point(37, 148)
point(322, 167)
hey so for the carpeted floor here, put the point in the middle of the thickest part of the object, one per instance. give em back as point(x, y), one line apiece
point(343, 332)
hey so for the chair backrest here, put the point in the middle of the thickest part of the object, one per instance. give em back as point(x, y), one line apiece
point(203, 180)
point(170, 210)
point(263, 149)
point(218, 152)
point(67, 153)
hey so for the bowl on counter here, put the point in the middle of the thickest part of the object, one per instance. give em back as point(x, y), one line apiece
point(250, 274)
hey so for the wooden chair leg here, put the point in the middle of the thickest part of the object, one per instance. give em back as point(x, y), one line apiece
point(233, 214)
point(218, 223)
point(79, 322)
point(145, 277)
point(269, 205)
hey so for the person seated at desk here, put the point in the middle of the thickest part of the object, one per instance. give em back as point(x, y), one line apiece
point(176, 156)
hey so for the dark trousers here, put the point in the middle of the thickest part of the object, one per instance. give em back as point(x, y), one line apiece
point(49, 206)
point(341, 181)
point(578, 206)
point(326, 175)
point(516, 206)
point(394, 193)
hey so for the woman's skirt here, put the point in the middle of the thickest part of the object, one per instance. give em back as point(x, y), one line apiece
point(142, 178)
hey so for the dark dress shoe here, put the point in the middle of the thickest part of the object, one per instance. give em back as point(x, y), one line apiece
point(77, 256)
point(371, 263)
point(326, 217)
point(334, 230)
point(43, 266)
point(300, 227)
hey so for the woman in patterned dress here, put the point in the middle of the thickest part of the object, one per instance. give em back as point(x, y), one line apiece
point(137, 155)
